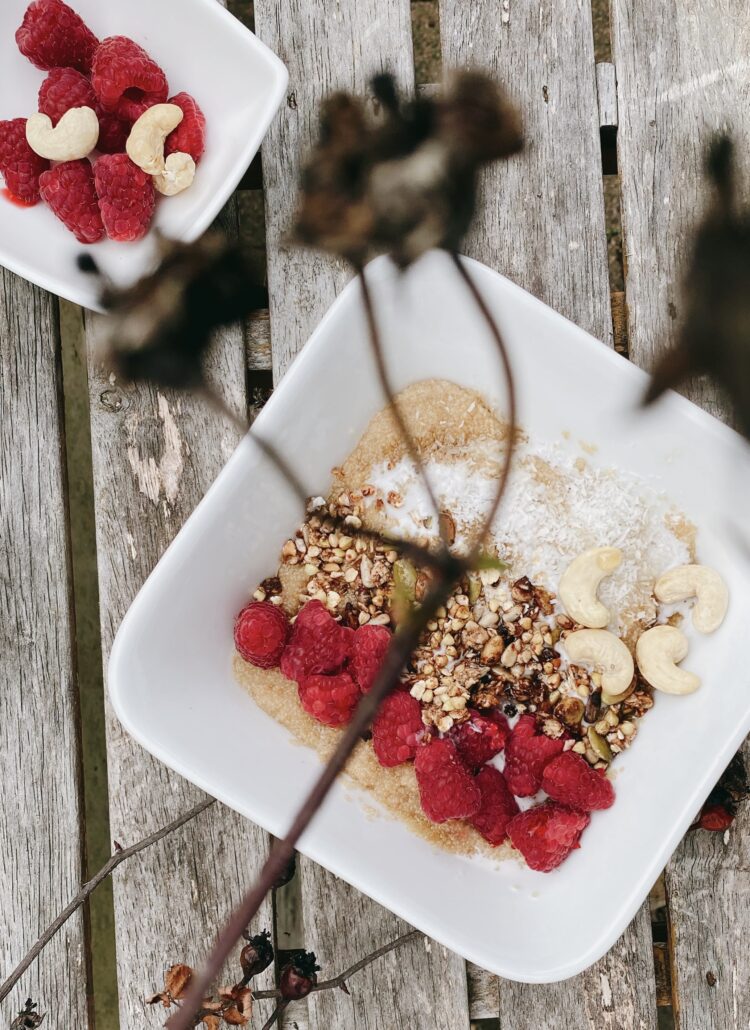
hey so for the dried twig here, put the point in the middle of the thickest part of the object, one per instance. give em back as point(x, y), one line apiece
point(387, 386)
point(448, 570)
point(340, 980)
point(275, 1015)
point(396, 658)
point(119, 856)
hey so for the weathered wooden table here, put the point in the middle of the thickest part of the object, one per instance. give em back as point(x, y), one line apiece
point(680, 70)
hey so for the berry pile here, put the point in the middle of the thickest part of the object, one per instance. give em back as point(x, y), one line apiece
point(333, 665)
point(108, 196)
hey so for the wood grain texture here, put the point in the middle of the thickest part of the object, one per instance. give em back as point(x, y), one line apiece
point(606, 91)
point(683, 73)
point(542, 220)
point(542, 224)
point(327, 46)
point(154, 456)
point(422, 986)
point(41, 833)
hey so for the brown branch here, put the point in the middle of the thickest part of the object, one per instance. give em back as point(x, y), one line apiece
point(119, 856)
point(275, 1015)
point(385, 382)
point(448, 571)
point(340, 980)
point(402, 645)
point(512, 406)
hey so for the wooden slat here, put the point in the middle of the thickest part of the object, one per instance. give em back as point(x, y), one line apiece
point(154, 456)
point(542, 225)
point(41, 831)
point(606, 89)
point(327, 46)
point(543, 213)
point(683, 73)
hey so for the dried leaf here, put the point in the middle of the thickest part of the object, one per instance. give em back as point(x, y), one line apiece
point(715, 335)
point(407, 182)
point(28, 1018)
point(211, 1022)
point(160, 329)
point(176, 981)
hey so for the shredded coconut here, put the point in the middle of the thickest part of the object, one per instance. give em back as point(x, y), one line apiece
point(556, 506)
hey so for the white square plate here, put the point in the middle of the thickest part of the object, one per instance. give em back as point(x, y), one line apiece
point(238, 82)
point(170, 673)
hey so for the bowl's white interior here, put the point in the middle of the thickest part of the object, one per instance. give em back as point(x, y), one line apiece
point(204, 51)
point(170, 675)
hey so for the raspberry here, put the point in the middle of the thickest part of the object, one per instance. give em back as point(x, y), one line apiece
point(397, 728)
point(71, 194)
point(260, 634)
point(498, 806)
point(52, 35)
point(113, 133)
point(526, 755)
point(329, 699)
point(318, 644)
point(547, 834)
point(368, 651)
point(446, 789)
point(190, 135)
point(125, 79)
point(715, 817)
point(570, 780)
point(480, 738)
point(126, 197)
point(65, 88)
point(19, 165)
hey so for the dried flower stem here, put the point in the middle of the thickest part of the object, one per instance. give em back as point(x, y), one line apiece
point(385, 382)
point(275, 1015)
point(448, 570)
point(119, 856)
point(340, 980)
point(512, 406)
point(396, 658)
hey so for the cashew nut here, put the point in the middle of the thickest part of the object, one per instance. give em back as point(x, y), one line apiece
point(178, 174)
point(702, 583)
point(145, 144)
point(658, 651)
point(580, 582)
point(606, 652)
point(74, 136)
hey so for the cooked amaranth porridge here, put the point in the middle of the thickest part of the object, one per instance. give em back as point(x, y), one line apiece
point(532, 678)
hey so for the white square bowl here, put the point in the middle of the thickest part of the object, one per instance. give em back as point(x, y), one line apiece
point(170, 672)
point(205, 51)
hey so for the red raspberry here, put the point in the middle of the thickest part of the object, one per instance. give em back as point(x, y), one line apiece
point(126, 197)
point(498, 806)
point(368, 651)
point(715, 817)
point(329, 699)
point(52, 35)
point(397, 728)
point(570, 780)
point(19, 165)
point(65, 88)
point(71, 194)
point(190, 135)
point(125, 79)
point(526, 755)
point(446, 789)
point(113, 133)
point(547, 834)
point(260, 634)
point(318, 644)
point(480, 738)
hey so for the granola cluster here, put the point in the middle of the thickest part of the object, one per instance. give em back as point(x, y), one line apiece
point(493, 645)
